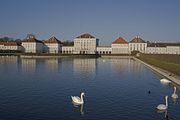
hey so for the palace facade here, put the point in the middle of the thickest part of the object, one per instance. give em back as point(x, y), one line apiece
point(10, 46)
point(88, 44)
point(52, 45)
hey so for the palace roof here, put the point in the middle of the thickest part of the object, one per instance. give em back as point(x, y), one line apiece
point(137, 39)
point(162, 44)
point(32, 40)
point(52, 40)
point(120, 40)
point(86, 35)
point(9, 43)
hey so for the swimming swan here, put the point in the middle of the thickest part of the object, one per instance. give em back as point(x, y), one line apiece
point(162, 106)
point(165, 81)
point(174, 95)
point(78, 100)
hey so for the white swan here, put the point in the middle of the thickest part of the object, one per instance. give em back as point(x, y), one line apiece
point(165, 81)
point(162, 106)
point(78, 100)
point(174, 95)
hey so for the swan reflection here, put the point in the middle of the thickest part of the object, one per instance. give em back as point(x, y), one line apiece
point(166, 115)
point(79, 105)
point(173, 101)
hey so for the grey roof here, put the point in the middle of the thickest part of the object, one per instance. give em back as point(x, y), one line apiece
point(137, 39)
point(86, 35)
point(32, 40)
point(162, 44)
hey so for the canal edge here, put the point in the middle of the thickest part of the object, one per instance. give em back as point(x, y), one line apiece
point(174, 78)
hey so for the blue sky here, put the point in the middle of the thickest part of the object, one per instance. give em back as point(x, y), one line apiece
point(153, 20)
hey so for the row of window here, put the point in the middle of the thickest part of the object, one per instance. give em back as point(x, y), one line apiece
point(8, 47)
point(104, 52)
point(137, 48)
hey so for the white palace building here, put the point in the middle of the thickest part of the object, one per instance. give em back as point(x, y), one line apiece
point(88, 44)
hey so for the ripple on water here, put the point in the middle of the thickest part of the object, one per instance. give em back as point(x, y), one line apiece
point(115, 89)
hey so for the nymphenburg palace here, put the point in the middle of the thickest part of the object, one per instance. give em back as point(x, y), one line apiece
point(88, 44)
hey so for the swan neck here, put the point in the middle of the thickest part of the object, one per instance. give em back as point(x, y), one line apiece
point(82, 98)
point(166, 102)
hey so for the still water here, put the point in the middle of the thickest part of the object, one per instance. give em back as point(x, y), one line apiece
point(115, 89)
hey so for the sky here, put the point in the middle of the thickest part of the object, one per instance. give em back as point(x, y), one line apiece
point(152, 20)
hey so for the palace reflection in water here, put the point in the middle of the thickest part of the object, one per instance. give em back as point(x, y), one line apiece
point(119, 65)
point(80, 66)
point(28, 65)
point(114, 88)
point(52, 65)
point(85, 67)
point(9, 63)
point(123, 65)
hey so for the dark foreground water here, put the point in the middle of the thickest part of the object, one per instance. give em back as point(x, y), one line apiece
point(115, 89)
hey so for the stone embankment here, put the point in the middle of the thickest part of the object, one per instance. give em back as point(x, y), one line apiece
point(60, 56)
point(174, 78)
point(112, 56)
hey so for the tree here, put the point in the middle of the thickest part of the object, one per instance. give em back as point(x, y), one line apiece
point(68, 43)
point(5, 39)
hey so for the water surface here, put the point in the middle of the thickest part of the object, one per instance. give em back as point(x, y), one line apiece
point(40, 89)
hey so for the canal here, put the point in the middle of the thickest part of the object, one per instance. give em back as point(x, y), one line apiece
point(41, 89)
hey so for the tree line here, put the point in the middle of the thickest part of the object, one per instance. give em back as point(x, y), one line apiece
point(7, 39)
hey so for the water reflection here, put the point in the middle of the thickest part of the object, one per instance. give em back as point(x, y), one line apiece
point(85, 67)
point(165, 115)
point(119, 65)
point(52, 65)
point(28, 65)
point(45, 98)
point(8, 59)
point(8, 63)
point(174, 101)
point(81, 107)
point(136, 67)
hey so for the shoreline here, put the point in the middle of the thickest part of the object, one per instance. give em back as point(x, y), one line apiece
point(60, 56)
point(116, 56)
point(174, 78)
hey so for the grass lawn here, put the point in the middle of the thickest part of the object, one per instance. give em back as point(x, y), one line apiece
point(169, 63)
